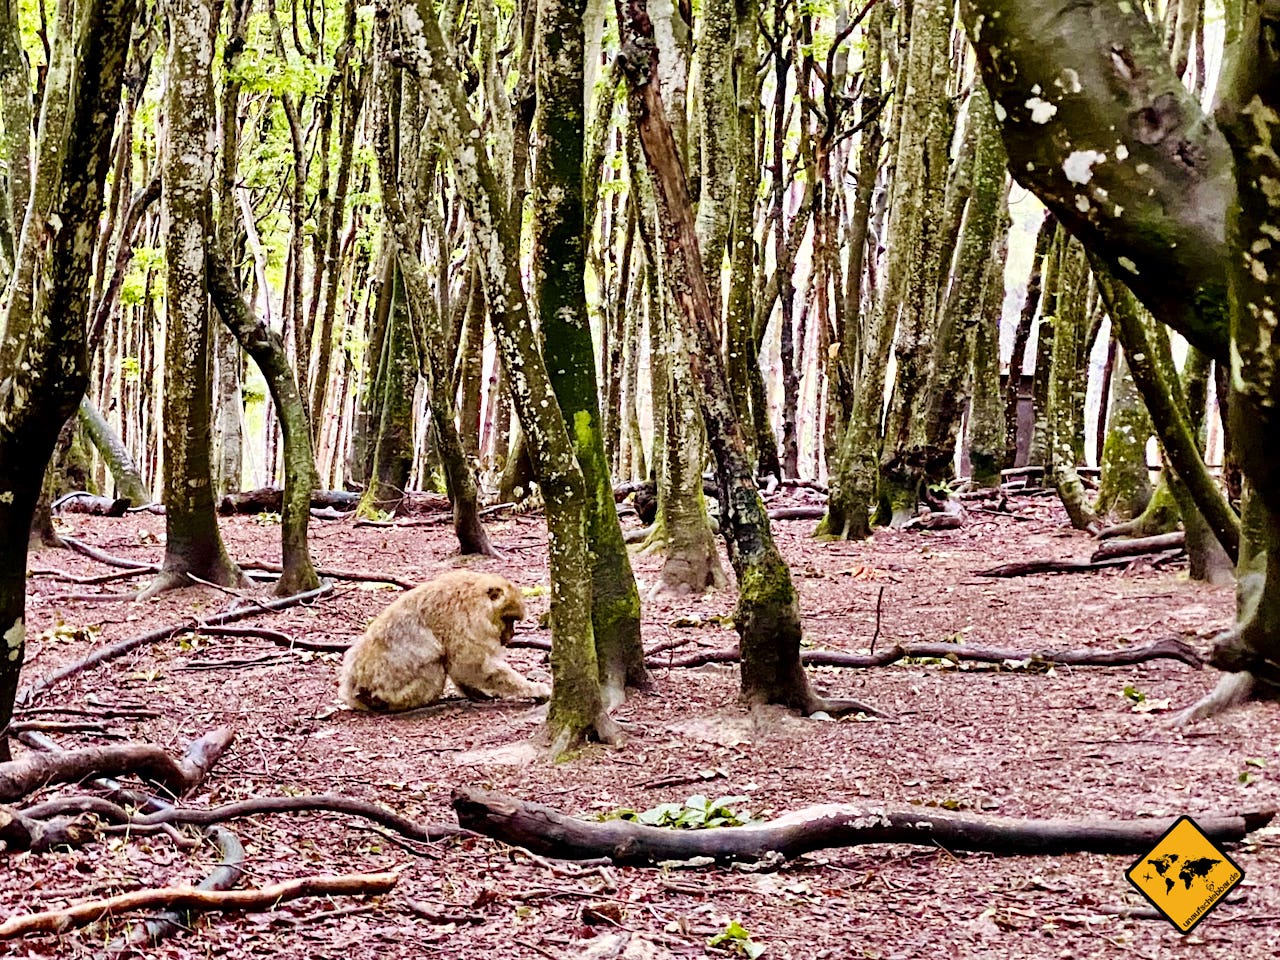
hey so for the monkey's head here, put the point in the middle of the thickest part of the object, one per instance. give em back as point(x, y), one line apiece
point(508, 606)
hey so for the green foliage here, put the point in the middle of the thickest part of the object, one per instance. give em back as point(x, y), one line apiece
point(696, 813)
point(737, 941)
point(1133, 694)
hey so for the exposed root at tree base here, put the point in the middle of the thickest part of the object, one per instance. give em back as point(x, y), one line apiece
point(1232, 690)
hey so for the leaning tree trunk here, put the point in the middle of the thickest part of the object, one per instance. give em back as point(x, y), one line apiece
point(1168, 416)
point(1250, 118)
point(193, 545)
point(559, 268)
point(768, 613)
point(266, 347)
point(45, 371)
point(691, 563)
point(577, 709)
point(115, 454)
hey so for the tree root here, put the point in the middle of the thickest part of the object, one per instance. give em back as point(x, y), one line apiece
point(1232, 690)
point(103, 655)
point(549, 833)
point(1170, 648)
point(149, 762)
point(194, 899)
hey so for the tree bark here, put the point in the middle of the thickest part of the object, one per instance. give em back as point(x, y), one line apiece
point(559, 268)
point(44, 362)
point(193, 544)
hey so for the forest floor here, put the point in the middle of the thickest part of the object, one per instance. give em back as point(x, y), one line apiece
point(1017, 743)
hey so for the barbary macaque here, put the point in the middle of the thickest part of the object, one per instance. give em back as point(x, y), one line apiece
point(455, 626)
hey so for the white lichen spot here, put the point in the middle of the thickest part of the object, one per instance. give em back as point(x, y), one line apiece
point(13, 640)
point(1118, 211)
point(1258, 269)
point(1069, 81)
point(1142, 169)
point(1030, 166)
point(1122, 152)
point(1082, 203)
point(1041, 110)
point(1128, 265)
point(6, 496)
point(1036, 89)
point(1001, 113)
point(1079, 165)
point(1260, 246)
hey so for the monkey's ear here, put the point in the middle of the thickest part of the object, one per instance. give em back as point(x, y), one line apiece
point(495, 593)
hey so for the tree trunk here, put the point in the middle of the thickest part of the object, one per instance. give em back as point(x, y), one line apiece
point(1125, 490)
point(395, 383)
point(111, 448)
point(193, 544)
point(559, 268)
point(266, 347)
point(43, 387)
point(576, 710)
point(768, 615)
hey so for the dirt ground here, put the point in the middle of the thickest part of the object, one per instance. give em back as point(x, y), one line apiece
point(999, 741)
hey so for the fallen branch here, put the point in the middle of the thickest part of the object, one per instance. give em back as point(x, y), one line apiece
point(223, 877)
point(1142, 545)
point(103, 655)
point(271, 499)
point(21, 832)
point(1169, 648)
point(93, 553)
point(333, 573)
point(92, 505)
point(328, 803)
point(193, 899)
point(149, 762)
point(1028, 567)
point(274, 636)
point(549, 833)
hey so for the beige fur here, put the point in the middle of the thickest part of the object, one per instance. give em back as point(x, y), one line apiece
point(454, 625)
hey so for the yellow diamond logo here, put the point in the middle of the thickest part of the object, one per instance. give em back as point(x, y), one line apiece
point(1185, 875)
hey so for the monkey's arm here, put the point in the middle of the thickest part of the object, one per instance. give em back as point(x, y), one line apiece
point(491, 677)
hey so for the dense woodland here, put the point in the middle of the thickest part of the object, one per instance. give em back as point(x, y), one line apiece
point(703, 296)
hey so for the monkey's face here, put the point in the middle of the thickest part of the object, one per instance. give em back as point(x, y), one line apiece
point(508, 609)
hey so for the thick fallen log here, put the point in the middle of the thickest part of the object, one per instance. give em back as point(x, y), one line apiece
point(269, 500)
point(149, 762)
point(1029, 567)
point(92, 505)
point(548, 833)
point(797, 513)
point(195, 900)
point(1168, 648)
point(1142, 545)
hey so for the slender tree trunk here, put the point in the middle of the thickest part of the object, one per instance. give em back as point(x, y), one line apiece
point(116, 455)
point(768, 615)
